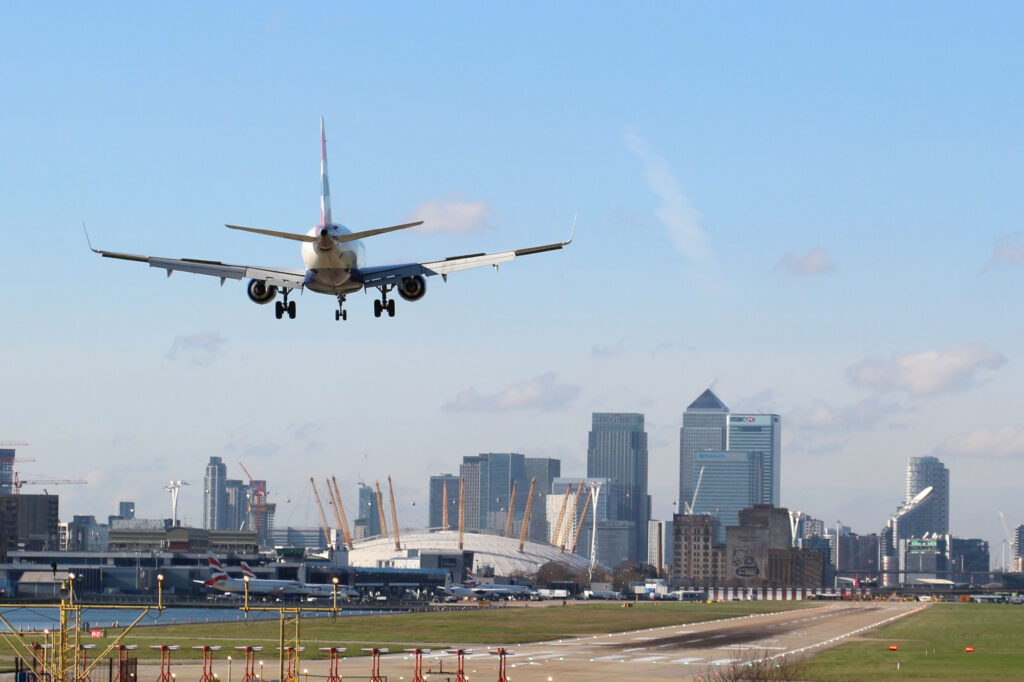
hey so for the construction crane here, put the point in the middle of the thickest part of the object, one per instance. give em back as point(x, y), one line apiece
point(17, 483)
point(258, 501)
point(324, 526)
point(688, 506)
point(173, 487)
point(12, 443)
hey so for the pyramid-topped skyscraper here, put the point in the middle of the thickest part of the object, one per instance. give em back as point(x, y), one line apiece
point(705, 428)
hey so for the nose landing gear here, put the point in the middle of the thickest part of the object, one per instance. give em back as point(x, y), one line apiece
point(280, 308)
point(384, 304)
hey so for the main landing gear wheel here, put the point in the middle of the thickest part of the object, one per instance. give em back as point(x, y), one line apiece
point(384, 304)
point(285, 306)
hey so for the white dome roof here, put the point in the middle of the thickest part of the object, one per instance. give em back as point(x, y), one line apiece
point(496, 551)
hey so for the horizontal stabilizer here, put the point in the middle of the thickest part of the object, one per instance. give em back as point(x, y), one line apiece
point(275, 233)
point(369, 233)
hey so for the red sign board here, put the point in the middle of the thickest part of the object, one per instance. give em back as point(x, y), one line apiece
point(96, 634)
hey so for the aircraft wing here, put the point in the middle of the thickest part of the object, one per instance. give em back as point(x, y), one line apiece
point(282, 277)
point(394, 274)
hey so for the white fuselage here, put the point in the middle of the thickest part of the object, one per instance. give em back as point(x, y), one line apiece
point(329, 263)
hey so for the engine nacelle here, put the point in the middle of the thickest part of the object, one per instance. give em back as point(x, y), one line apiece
point(260, 293)
point(413, 288)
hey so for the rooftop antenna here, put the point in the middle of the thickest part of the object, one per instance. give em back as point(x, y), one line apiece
point(173, 487)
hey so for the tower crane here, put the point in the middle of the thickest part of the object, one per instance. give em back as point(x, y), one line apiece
point(259, 499)
point(46, 481)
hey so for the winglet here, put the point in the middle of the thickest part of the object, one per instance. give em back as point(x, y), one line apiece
point(325, 188)
point(572, 232)
point(87, 240)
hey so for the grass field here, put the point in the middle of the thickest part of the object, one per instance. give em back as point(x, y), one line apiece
point(931, 647)
point(476, 626)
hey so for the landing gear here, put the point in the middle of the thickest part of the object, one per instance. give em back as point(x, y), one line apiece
point(341, 313)
point(384, 304)
point(286, 306)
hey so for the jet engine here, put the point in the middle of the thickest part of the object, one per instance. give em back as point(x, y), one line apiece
point(260, 293)
point(413, 288)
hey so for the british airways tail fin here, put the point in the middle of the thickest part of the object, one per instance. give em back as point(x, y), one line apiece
point(217, 572)
point(247, 571)
point(325, 188)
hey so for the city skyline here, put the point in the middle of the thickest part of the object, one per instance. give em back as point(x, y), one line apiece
point(813, 212)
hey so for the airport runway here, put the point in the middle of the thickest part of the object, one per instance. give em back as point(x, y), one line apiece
point(668, 653)
point(678, 652)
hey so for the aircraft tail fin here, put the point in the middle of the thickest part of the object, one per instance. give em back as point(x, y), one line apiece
point(470, 578)
point(217, 571)
point(247, 571)
point(325, 187)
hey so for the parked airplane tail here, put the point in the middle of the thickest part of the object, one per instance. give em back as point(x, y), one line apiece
point(470, 578)
point(217, 571)
point(247, 571)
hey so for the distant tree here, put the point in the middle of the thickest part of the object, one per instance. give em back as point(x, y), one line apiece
point(553, 571)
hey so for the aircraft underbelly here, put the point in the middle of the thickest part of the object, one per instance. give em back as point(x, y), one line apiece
point(331, 281)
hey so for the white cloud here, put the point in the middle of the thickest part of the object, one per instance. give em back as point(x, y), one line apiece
point(677, 214)
point(1008, 251)
point(1006, 441)
point(864, 414)
point(199, 349)
point(814, 262)
point(927, 372)
point(542, 392)
point(451, 216)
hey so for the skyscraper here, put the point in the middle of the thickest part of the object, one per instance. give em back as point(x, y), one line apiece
point(215, 495)
point(545, 470)
point(617, 450)
point(760, 434)
point(489, 478)
point(444, 492)
point(705, 429)
point(731, 481)
point(921, 473)
point(368, 518)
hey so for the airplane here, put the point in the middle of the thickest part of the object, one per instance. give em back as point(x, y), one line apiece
point(475, 590)
point(298, 587)
point(220, 580)
point(333, 258)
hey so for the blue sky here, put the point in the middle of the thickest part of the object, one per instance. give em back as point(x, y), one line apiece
point(813, 208)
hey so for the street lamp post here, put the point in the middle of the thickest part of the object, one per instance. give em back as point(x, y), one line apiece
point(334, 592)
point(160, 591)
point(229, 669)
